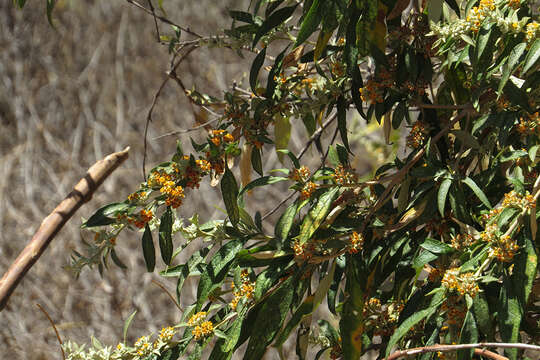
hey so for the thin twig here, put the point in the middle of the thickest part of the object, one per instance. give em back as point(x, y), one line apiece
point(316, 135)
point(55, 330)
point(154, 101)
point(185, 131)
point(51, 225)
point(448, 348)
point(163, 19)
point(157, 283)
point(278, 206)
point(155, 20)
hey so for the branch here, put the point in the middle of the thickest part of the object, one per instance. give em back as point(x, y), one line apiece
point(447, 348)
point(55, 330)
point(51, 225)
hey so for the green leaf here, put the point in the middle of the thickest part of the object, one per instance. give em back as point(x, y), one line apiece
point(509, 313)
point(352, 319)
point(306, 308)
point(149, 251)
point(309, 25)
point(483, 316)
point(273, 21)
point(399, 114)
point(442, 194)
point(423, 258)
point(20, 3)
point(255, 68)
point(262, 181)
point(117, 260)
point(106, 215)
point(285, 222)
point(469, 335)
point(216, 270)
point(532, 56)
point(342, 121)
point(127, 323)
point(436, 246)
point(170, 354)
point(241, 16)
point(477, 191)
point(50, 7)
point(165, 236)
point(510, 66)
point(282, 134)
point(316, 215)
point(270, 318)
point(256, 160)
point(229, 192)
point(233, 333)
point(414, 319)
point(273, 74)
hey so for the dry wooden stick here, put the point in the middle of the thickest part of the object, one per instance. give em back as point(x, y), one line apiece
point(51, 225)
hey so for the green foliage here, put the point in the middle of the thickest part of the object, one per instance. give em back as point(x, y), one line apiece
point(439, 246)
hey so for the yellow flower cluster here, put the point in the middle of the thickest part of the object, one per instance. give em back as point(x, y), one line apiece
point(383, 319)
point(174, 193)
point(197, 318)
point(356, 242)
point(478, 13)
point(308, 190)
point(205, 329)
point(244, 291)
point(532, 31)
point(166, 334)
point(143, 346)
point(462, 283)
point(302, 174)
point(513, 199)
point(218, 136)
point(139, 221)
point(372, 92)
point(417, 136)
point(136, 196)
point(529, 125)
point(344, 175)
point(461, 241)
point(504, 249)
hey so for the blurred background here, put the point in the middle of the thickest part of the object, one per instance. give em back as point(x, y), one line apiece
point(69, 96)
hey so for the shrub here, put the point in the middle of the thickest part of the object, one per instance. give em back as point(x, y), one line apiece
point(438, 245)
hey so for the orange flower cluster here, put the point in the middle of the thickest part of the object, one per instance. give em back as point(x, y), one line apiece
point(455, 310)
point(529, 125)
point(137, 196)
point(219, 136)
point(515, 4)
point(197, 318)
point(301, 175)
point(504, 249)
point(175, 194)
point(372, 92)
point(513, 199)
point(244, 291)
point(462, 241)
point(462, 283)
point(383, 319)
point(140, 221)
point(417, 136)
point(356, 243)
point(344, 175)
point(203, 330)
point(308, 190)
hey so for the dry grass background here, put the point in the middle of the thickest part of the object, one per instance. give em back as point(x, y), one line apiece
point(68, 97)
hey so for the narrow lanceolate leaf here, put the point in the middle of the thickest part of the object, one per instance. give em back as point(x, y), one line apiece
point(309, 25)
point(414, 319)
point(273, 21)
point(262, 181)
point(270, 318)
point(216, 270)
point(50, 7)
point(469, 335)
point(165, 236)
point(106, 215)
point(323, 287)
point(477, 191)
point(149, 251)
point(282, 134)
point(352, 319)
point(510, 66)
point(255, 68)
point(303, 310)
point(509, 314)
point(442, 195)
point(229, 192)
point(233, 333)
point(127, 323)
point(322, 41)
point(342, 121)
point(256, 160)
point(21, 3)
point(532, 56)
point(285, 222)
point(316, 215)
